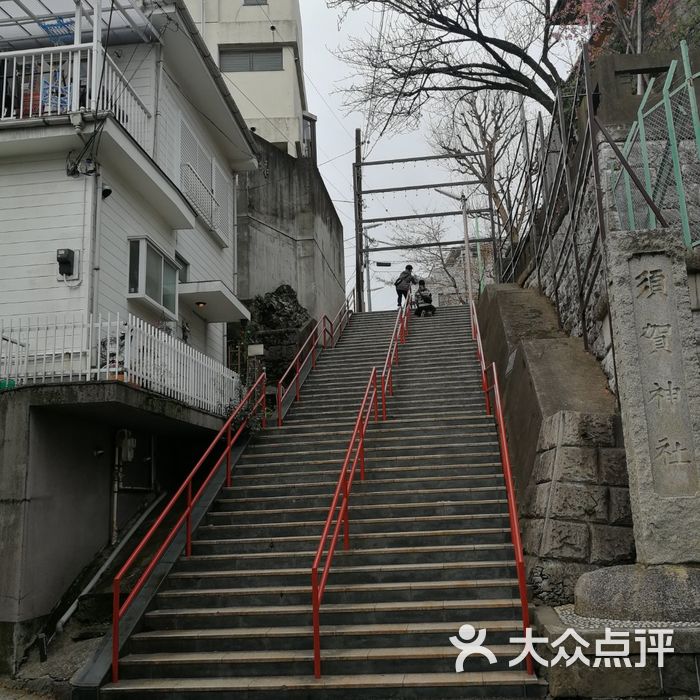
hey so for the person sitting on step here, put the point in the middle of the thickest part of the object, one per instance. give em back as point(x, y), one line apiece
point(424, 301)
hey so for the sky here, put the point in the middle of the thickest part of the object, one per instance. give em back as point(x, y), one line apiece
point(325, 75)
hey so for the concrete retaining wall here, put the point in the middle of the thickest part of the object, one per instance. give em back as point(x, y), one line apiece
point(563, 436)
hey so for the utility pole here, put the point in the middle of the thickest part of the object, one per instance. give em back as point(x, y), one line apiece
point(366, 240)
point(367, 279)
point(467, 252)
point(359, 234)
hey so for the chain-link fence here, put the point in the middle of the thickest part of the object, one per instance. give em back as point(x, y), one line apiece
point(663, 148)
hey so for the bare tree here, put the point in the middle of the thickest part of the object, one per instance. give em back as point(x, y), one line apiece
point(457, 47)
point(489, 122)
point(441, 266)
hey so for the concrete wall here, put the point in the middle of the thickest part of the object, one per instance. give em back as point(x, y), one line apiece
point(562, 426)
point(54, 510)
point(56, 451)
point(289, 233)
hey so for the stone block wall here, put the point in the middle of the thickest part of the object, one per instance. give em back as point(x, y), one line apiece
point(576, 507)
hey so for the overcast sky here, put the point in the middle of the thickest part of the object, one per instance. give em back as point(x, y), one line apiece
point(324, 76)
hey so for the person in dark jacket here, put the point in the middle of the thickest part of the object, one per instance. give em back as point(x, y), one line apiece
point(404, 282)
point(424, 301)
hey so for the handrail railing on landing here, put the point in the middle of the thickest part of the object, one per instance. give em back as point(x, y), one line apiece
point(339, 509)
point(330, 331)
point(256, 398)
point(507, 470)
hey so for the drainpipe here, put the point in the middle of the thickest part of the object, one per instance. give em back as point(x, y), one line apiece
point(156, 105)
point(94, 242)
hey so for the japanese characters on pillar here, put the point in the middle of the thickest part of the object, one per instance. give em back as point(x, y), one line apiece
point(671, 444)
point(659, 388)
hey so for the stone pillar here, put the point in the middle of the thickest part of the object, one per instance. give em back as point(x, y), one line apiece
point(659, 388)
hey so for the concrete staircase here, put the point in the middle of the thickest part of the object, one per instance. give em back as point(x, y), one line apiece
point(430, 545)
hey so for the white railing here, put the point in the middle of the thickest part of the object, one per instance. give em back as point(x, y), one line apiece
point(200, 195)
point(61, 80)
point(37, 351)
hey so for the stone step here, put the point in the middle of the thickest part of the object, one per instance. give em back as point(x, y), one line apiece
point(365, 496)
point(493, 684)
point(359, 525)
point(200, 573)
point(462, 445)
point(206, 542)
point(483, 589)
point(436, 422)
point(332, 636)
point(435, 394)
point(218, 555)
point(373, 486)
point(381, 434)
point(417, 383)
point(256, 475)
point(377, 660)
point(485, 455)
point(457, 611)
point(444, 506)
point(395, 406)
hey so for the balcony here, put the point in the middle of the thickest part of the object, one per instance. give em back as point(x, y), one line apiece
point(58, 81)
point(36, 351)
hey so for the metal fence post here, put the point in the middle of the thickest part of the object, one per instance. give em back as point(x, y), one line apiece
point(643, 148)
point(691, 94)
point(673, 143)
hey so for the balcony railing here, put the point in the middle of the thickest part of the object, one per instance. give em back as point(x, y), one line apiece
point(59, 80)
point(97, 348)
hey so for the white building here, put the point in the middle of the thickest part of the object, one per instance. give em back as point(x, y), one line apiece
point(259, 48)
point(119, 156)
point(121, 149)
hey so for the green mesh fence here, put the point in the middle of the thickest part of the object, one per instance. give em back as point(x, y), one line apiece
point(663, 149)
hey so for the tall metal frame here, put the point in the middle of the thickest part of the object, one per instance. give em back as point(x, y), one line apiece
point(362, 250)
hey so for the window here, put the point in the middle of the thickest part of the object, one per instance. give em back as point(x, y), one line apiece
point(237, 61)
point(255, 2)
point(152, 275)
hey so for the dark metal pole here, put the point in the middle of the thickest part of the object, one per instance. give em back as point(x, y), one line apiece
point(359, 243)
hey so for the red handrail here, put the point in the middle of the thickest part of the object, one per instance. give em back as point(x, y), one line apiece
point(507, 473)
point(345, 481)
point(119, 608)
point(392, 357)
point(476, 335)
point(331, 329)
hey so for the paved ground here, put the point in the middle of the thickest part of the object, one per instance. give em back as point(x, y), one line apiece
point(9, 693)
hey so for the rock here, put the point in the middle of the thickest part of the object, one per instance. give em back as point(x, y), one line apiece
point(637, 592)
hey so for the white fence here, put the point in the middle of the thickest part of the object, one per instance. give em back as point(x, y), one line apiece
point(58, 81)
point(76, 349)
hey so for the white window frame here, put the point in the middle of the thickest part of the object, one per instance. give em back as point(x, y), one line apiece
point(141, 295)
